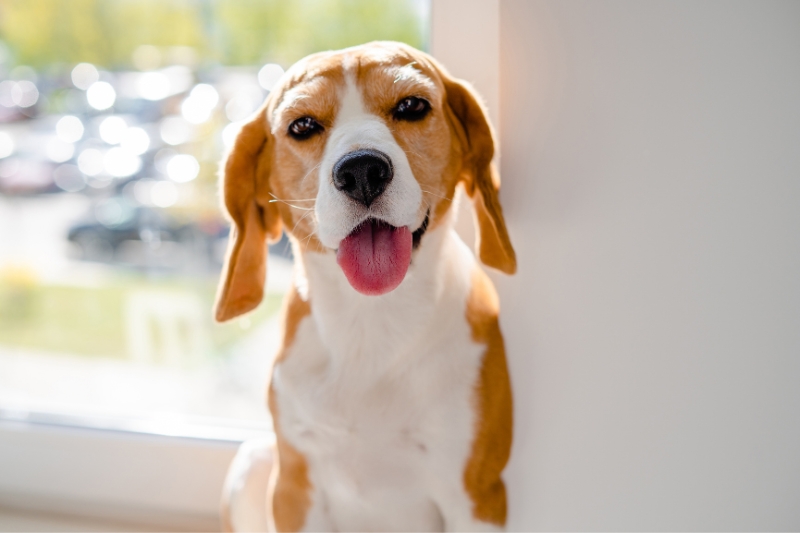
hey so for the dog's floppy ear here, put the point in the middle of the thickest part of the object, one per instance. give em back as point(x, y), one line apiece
point(245, 181)
point(480, 176)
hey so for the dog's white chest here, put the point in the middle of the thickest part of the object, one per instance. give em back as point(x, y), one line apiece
point(381, 449)
point(386, 429)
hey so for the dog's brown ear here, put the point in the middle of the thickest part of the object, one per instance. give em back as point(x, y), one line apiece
point(480, 176)
point(245, 180)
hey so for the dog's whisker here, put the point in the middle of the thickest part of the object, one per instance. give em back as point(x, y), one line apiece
point(301, 219)
point(315, 167)
point(317, 246)
point(437, 195)
point(292, 199)
point(293, 206)
point(298, 222)
point(276, 199)
point(308, 238)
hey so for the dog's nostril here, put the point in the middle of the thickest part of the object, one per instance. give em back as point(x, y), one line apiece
point(375, 173)
point(348, 181)
point(363, 175)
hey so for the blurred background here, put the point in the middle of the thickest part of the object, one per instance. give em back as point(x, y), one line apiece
point(114, 115)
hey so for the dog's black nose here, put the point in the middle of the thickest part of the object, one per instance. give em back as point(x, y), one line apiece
point(363, 175)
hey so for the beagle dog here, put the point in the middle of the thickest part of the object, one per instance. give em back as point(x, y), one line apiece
point(390, 395)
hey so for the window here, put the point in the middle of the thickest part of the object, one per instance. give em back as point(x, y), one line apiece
point(113, 117)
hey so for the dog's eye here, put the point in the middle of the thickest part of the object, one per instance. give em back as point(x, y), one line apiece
point(411, 109)
point(304, 127)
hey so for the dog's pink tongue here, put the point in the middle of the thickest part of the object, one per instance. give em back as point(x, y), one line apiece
point(375, 257)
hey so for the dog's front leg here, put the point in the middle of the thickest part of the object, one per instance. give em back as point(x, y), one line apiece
point(293, 503)
point(243, 495)
point(459, 512)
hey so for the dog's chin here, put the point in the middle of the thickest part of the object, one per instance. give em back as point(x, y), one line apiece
point(375, 256)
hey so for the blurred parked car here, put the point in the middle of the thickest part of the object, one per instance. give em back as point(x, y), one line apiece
point(117, 231)
point(120, 232)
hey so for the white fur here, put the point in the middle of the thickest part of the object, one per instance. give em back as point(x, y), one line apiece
point(378, 392)
point(336, 213)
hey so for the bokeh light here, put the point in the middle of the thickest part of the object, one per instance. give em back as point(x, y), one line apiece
point(101, 95)
point(230, 132)
point(6, 144)
point(200, 103)
point(175, 130)
point(163, 194)
point(69, 129)
point(243, 104)
point(120, 163)
point(269, 75)
point(180, 78)
point(90, 162)
point(24, 93)
point(84, 75)
point(112, 129)
point(59, 151)
point(135, 141)
point(153, 86)
point(162, 158)
point(183, 168)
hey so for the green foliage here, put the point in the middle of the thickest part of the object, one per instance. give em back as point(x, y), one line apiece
point(232, 32)
point(91, 320)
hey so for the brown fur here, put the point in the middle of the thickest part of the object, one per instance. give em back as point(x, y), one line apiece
point(481, 178)
point(246, 169)
point(311, 88)
point(289, 494)
point(268, 183)
point(456, 145)
point(493, 432)
point(269, 177)
point(429, 145)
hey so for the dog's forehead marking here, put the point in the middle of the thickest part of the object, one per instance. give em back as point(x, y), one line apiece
point(349, 62)
point(351, 103)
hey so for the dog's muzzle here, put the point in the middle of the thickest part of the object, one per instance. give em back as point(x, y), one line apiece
point(363, 175)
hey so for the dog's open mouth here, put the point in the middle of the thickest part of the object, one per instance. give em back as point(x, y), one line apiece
point(375, 256)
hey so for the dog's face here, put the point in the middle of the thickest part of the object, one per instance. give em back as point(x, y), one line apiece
point(358, 153)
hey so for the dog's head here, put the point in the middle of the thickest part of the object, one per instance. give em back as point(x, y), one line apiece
point(358, 152)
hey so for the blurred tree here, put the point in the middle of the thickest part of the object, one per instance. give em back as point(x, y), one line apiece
point(231, 32)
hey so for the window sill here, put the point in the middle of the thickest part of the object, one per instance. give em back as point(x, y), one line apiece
point(152, 474)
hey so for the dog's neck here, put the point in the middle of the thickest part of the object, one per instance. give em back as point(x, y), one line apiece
point(387, 328)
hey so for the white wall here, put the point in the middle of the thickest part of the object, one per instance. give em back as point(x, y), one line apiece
point(651, 171)
point(465, 36)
